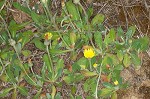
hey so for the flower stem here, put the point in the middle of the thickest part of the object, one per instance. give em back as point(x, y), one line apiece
point(3, 68)
point(56, 27)
point(90, 64)
point(22, 67)
point(99, 76)
point(50, 60)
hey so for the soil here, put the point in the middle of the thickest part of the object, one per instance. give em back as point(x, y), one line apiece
point(139, 81)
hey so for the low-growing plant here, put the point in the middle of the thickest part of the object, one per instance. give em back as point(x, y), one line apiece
point(77, 48)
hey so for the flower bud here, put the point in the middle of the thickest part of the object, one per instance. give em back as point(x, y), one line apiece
point(62, 3)
point(130, 41)
point(12, 42)
point(95, 65)
point(76, 1)
point(44, 2)
point(46, 42)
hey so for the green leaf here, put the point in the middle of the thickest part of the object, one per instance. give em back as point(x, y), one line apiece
point(4, 78)
point(39, 44)
point(37, 94)
point(120, 32)
point(73, 38)
point(124, 86)
point(106, 92)
point(60, 64)
point(1, 68)
point(76, 67)
point(107, 60)
point(88, 73)
point(43, 71)
point(67, 39)
point(31, 82)
point(89, 97)
point(120, 55)
point(136, 60)
point(10, 74)
point(5, 91)
point(18, 47)
point(53, 92)
point(3, 55)
point(23, 90)
point(2, 3)
point(22, 8)
point(71, 96)
point(112, 34)
point(82, 61)
point(26, 37)
point(90, 84)
point(126, 60)
point(57, 51)
point(130, 32)
point(114, 95)
point(59, 67)
point(114, 59)
point(73, 11)
point(98, 19)
point(48, 96)
point(120, 46)
point(77, 77)
point(4, 37)
point(118, 67)
point(110, 37)
point(79, 97)
point(39, 20)
point(26, 53)
point(58, 95)
point(107, 85)
point(90, 11)
point(14, 27)
point(80, 43)
point(36, 18)
point(14, 94)
point(98, 39)
point(73, 78)
point(141, 43)
point(68, 79)
point(73, 89)
point(47, 62)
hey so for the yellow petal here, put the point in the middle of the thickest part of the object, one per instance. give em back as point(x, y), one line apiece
point(89, 53)
point(116, 82)
point(48, 36)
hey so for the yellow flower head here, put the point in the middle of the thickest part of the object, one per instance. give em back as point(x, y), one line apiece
point(89, 53)
point(116, 82)
point(48, 36)
point(95, 65)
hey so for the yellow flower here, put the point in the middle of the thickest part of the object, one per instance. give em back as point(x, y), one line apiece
point(48, 36)
point(89, 53)
point(116, 82)
point(95, 65)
